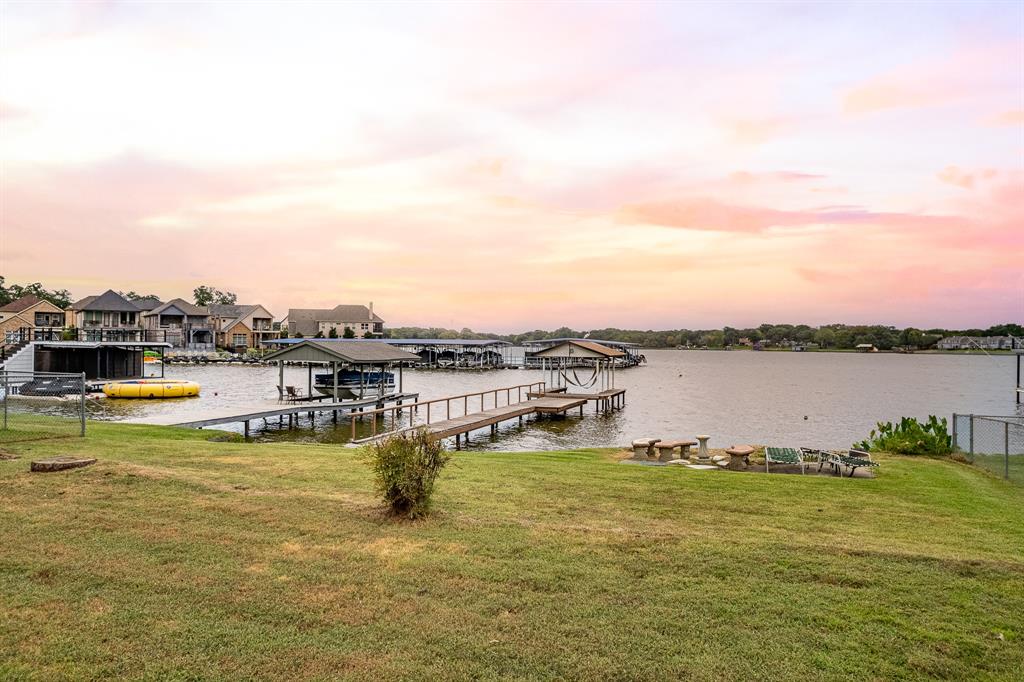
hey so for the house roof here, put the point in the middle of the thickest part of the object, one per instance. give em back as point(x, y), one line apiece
point(148, 303)
point(368, 353)
point(109, 300)
point(182, 305)
point(580, 349)
point(19, 304)
point(304, 320)
point(235, 313)
point(232, 311)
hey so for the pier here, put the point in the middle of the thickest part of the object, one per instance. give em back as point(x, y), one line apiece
point(352, 408)
point(538, 402)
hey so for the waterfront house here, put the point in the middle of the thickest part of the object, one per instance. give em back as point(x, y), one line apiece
point(107, 317)
point(239, 327)
point(310, 321)
point(30, 317)
point(978, 343)
point(181, 324)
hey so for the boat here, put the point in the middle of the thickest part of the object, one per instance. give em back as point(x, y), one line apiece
point(151, 388)
point(355, 384)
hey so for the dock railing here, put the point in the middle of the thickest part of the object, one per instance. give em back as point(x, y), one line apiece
point(413, 408)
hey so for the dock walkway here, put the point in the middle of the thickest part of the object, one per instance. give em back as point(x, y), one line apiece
point(244, 415)
point(604, 401)
point(459, 426)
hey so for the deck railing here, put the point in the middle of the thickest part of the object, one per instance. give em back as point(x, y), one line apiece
point(396, 410)
point(115, 334)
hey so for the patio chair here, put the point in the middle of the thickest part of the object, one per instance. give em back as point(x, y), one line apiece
point(852, 460)
point(822, 457)
point(293, 394)
point(782, 456)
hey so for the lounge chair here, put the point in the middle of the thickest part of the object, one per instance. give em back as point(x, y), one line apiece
point(783, 456)
point(852, 460)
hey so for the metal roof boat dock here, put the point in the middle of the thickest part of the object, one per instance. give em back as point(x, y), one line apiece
point(630, 352)
point(444, 353)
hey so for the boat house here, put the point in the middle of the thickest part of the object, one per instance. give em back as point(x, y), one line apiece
point(369, 358)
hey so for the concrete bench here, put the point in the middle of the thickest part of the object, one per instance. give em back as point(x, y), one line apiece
point(643, 448)
point(739, 456)
point(666, 449)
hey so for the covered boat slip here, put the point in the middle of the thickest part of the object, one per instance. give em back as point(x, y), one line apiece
point(438, 353)
point(563, 363)
point(97, 359)
point(370, 358)
point(629, 353)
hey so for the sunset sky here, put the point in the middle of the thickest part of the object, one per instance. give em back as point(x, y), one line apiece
point(511, 166)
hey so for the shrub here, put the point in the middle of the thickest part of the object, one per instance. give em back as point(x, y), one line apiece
point(910, 437)
point(405, 467)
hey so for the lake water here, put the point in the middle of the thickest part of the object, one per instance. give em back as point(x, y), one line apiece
point(813, 399)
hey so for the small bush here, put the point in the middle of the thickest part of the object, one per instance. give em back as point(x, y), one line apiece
point(405, 468)
point(910, 437)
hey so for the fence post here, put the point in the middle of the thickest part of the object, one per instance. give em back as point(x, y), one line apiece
point(972, 434)
point(81, 404)
point(1006, 450)
point(6, 389)
point(956, 443)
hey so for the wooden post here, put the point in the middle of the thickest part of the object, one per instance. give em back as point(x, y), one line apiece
point(247, 429)
point(334, 370)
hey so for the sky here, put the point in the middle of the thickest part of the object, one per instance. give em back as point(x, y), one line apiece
point(513, 166)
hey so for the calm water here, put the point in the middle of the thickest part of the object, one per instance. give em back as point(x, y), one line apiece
point(734, 396)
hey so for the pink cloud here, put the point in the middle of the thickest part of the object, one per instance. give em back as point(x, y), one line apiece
point(970, 71)
point(710, 214)
point(1008, 118)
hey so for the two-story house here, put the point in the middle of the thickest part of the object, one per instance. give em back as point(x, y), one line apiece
point(239, 327)
point(30, 318)
point(312, 321)
point(107, 317)
point(182, 324)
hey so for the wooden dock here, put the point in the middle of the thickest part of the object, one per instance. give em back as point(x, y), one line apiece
point(460, 426)
point(539, 401)
point(604, 401)
point(290, 410)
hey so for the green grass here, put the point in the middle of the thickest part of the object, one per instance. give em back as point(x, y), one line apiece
point(176, 557)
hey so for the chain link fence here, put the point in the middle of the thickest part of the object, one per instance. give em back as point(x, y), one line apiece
point(994, 443)
point(37, 405)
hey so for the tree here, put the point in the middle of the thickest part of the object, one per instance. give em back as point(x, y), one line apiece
point(132, 296)
point(332, 333)
point(58, 297)
point(825, 337)
point(205, 295)
point(349, 333)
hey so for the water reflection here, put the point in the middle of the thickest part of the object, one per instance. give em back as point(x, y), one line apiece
point(826, 399)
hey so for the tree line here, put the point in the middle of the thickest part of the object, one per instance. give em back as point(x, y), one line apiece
point(830, 336)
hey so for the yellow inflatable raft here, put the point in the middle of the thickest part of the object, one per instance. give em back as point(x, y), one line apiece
point(151, 388)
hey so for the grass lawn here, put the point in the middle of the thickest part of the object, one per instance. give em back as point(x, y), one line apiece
point(176, 557)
